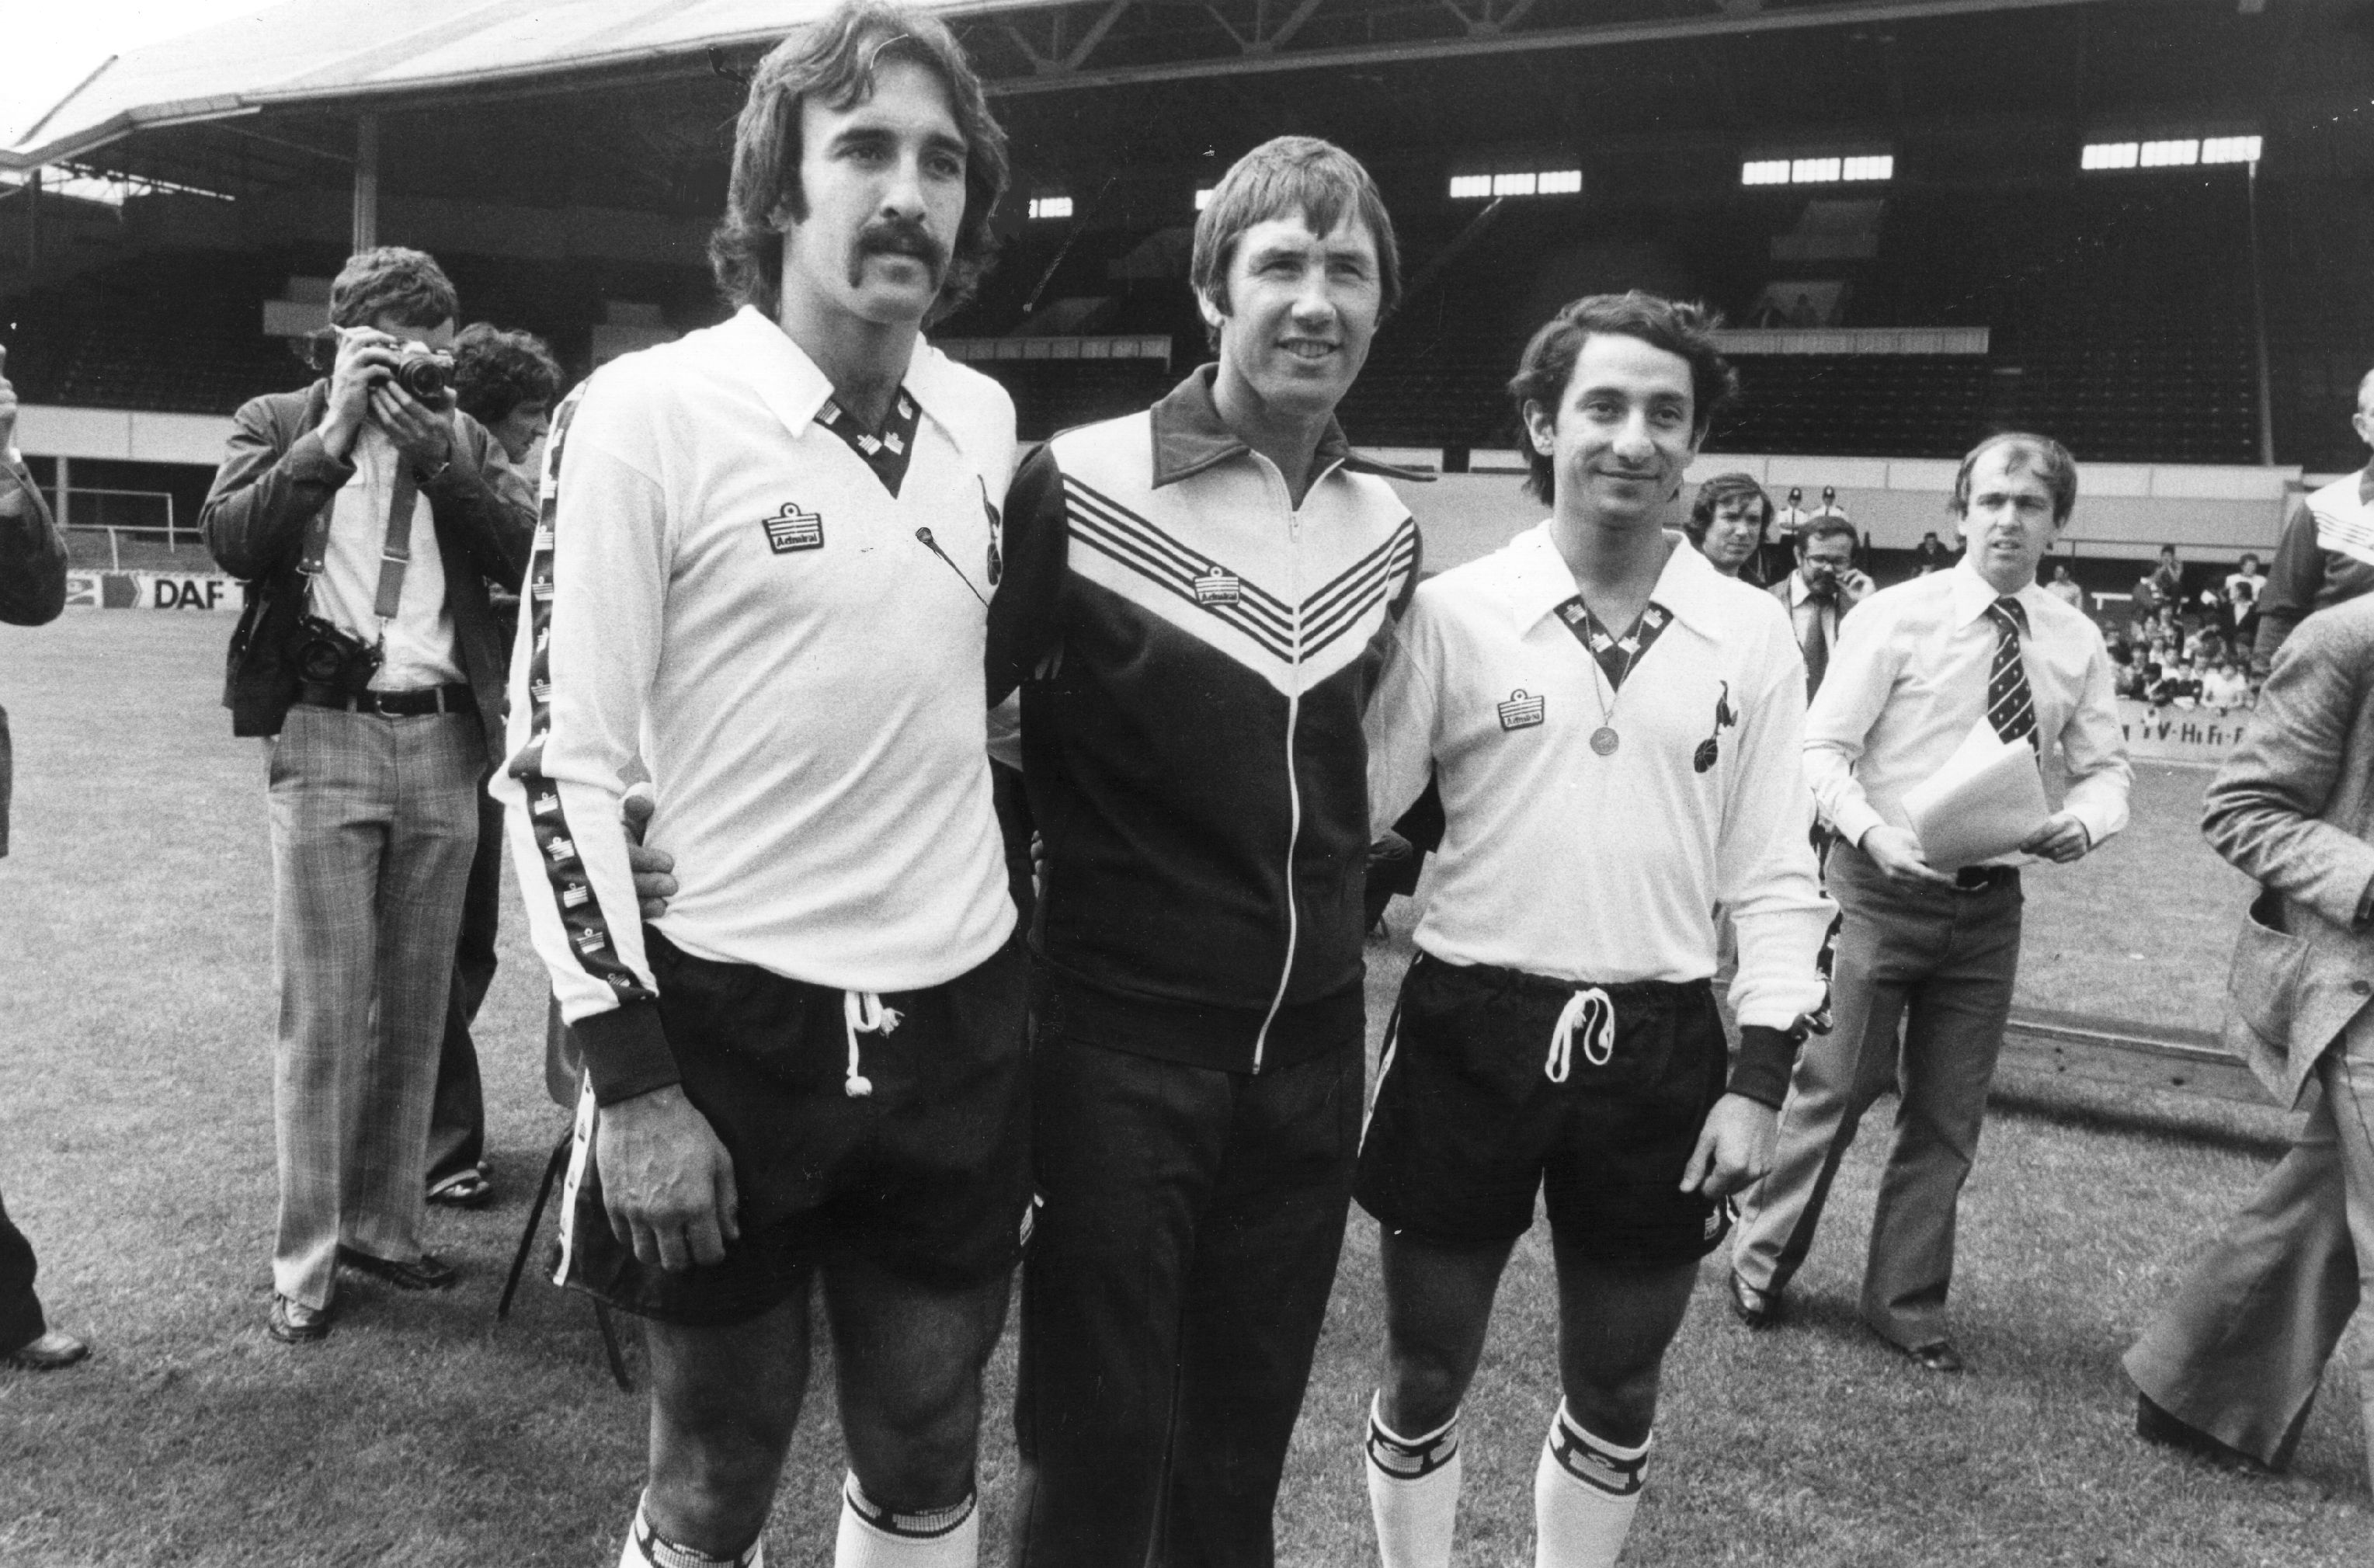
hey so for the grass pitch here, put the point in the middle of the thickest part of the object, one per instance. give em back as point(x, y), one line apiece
point(135, 1149)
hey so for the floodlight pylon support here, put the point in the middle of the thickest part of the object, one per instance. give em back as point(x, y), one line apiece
point(365, 231)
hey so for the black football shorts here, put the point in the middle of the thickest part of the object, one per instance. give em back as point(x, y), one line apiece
point(1496, 1085)
point(927, 1175)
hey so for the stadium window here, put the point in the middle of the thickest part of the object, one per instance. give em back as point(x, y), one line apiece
point(1517, 182)
point(2231, 149)
point(1813, 170)
point(1203, 197)
point(2177, 154)
point(1050, 207)
point(1870, 166)
point(2109, 155)
point(1877, 166)
point(1764, 172)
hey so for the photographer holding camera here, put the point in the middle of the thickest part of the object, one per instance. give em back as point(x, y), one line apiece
point(366, 518)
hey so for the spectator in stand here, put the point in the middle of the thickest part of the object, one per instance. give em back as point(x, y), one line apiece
point(2326, 556)
point(1931, 555)
point(1727, 522)
point(2064, 588)
point(366, 522)
point(2127, 677)
point(2207, 646)
point(2167, 579)
point(2224, 688)
point(32, 593)
point(2244, 609)
point(506, 381)
point(2243, 587)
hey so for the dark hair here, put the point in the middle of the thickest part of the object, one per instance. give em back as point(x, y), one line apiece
point(2250, 556)
point(495, 371)
point(2168, 549)
point(392, 281)
point(1719, 489)
point(1303, 175)
point(834, 61)
point(1826, 525)
point(2051, 460)
point(1676, 326)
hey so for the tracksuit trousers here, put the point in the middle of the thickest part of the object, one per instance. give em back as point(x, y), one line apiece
point(1172, 1294)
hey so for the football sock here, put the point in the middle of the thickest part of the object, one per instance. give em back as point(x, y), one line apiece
point(1584, 1494)
point(646, 1548)
point(1412, 1492)
point(872, 1536)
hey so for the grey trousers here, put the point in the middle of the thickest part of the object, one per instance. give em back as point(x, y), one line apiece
point(373, 823)
point(1944, 961)
point(2241, 1349)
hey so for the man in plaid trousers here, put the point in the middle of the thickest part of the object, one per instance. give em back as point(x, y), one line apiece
point(367, 517)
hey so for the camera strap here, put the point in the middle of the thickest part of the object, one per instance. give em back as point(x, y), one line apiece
point(395, 555)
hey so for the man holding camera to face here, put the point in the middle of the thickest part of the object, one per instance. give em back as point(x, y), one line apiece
point(366, 517)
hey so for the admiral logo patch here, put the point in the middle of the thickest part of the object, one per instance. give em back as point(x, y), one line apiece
point(1218, 587)
point(545, 804)
point(560, 850)
point(1521, 712)
point(543, 540)
point(792, 529)
point(575, 895)
point(542, 590)
point(587, 941)
point(540, 689)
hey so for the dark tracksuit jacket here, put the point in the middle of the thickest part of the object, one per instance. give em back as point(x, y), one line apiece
point(1194, 653)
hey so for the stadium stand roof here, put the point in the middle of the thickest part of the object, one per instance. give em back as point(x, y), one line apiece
point(311, 53)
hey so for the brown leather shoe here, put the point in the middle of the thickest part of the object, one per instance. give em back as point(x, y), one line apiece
point(294, 1323)
point(1757, 1309)
point(52, 1351)
point(2154, 1424)
point(426, 1272)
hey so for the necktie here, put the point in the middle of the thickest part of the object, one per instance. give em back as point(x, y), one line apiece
point(1817, 641)
point(2011, 706)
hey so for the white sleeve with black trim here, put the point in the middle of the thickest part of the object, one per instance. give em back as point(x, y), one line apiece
point(589, 639)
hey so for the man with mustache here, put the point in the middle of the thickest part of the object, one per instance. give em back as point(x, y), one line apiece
point(1916, 668)
point(1197, 606)
point(764, 568)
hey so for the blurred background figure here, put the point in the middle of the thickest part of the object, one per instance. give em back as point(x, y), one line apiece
point(32, 591)
point(1727, 522)
point(508, 382)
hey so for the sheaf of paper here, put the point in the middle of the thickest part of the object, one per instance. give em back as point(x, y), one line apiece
point(1986, 801)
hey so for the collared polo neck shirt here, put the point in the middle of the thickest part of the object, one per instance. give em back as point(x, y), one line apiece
point(1584, 867)
point(729, 590)
point(1907, 681)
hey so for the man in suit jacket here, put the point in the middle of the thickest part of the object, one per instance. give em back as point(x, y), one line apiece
point(1821, 590)
point(367, 523)
point(2231, 1363)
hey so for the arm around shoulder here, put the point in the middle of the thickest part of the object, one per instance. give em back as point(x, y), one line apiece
point(1025, 613)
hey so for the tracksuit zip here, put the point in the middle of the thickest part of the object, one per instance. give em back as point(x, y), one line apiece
point(1293, 780)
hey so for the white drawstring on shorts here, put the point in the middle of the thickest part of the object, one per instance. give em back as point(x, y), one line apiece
point(861, 1012)
point(1592, 1011)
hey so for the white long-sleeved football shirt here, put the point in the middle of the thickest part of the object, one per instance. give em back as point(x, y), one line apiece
point(1564, 863)
point(725, 588)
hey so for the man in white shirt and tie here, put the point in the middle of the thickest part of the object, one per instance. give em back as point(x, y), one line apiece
point(1916, 668)
point(1823, 588)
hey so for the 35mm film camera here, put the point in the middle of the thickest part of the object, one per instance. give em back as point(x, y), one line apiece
point(426, 374)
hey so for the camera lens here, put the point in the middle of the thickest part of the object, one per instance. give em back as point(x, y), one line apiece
point(426, 376)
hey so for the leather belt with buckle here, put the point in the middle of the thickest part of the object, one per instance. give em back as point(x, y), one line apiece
point(393, 704)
